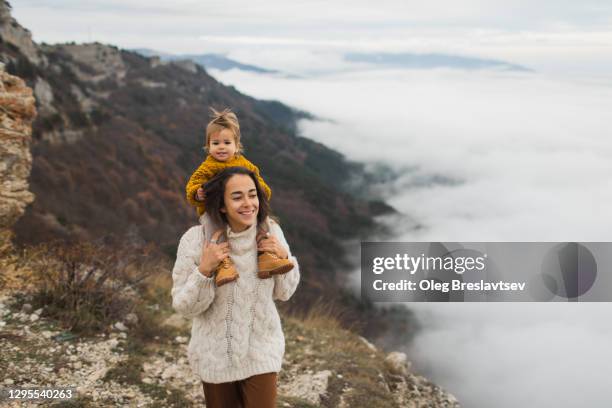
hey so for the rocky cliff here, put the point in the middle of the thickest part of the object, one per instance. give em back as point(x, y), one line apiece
point(17, 111)
point(13, 33)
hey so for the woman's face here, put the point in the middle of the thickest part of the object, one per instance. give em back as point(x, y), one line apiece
point(241, 204)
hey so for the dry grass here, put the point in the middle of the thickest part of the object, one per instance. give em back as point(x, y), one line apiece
point(86, 286)
point(10, 278)
point(317, 341)
point(321, 315)
point(158, 285)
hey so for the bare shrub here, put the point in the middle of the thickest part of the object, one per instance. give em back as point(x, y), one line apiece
point(88, 286)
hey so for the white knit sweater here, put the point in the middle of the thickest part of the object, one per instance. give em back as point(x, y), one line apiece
point(236, 331)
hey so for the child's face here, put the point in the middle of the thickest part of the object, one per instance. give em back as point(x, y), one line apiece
point(222, 145)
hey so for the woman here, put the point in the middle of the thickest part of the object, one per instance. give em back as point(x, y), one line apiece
point(237, 344)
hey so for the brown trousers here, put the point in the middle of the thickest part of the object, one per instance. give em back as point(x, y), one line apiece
point(258, 391)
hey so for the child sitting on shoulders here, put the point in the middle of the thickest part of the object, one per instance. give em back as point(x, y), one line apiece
point(225, 150)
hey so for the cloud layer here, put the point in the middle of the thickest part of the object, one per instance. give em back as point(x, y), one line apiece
point(529, 156)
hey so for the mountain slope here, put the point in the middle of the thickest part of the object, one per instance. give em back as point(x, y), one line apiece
point(118, 134)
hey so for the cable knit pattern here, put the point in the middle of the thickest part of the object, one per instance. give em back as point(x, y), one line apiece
point(236, 331)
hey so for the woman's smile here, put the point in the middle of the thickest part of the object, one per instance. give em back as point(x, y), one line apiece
point(248, 216)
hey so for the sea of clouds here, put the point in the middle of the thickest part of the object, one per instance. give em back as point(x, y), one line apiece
point(482, 156)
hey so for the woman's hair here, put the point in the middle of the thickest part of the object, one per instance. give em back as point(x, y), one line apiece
point(214, 191)
point(226, 119)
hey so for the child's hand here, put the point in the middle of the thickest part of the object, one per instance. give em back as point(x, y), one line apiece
point(200, 194)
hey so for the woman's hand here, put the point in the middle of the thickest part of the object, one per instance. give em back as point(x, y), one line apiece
point(213, 254)
point(267, 242)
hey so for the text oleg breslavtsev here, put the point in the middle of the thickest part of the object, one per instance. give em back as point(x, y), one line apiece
point(454, 285)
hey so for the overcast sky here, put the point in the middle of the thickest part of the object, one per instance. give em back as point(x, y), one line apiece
point(562, 36)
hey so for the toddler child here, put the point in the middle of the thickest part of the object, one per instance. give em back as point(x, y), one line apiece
point(225, 150)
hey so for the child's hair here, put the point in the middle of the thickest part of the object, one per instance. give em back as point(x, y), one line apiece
point(226, 119)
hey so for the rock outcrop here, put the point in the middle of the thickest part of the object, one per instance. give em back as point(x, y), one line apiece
point(17, 111)
point(94, 62)
point(328, 366)
point(15, 34)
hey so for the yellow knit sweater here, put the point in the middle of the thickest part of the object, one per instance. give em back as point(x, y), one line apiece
point(212, 166)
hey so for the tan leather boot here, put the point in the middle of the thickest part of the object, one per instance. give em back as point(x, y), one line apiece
point(226, 272)
point(268, 264)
